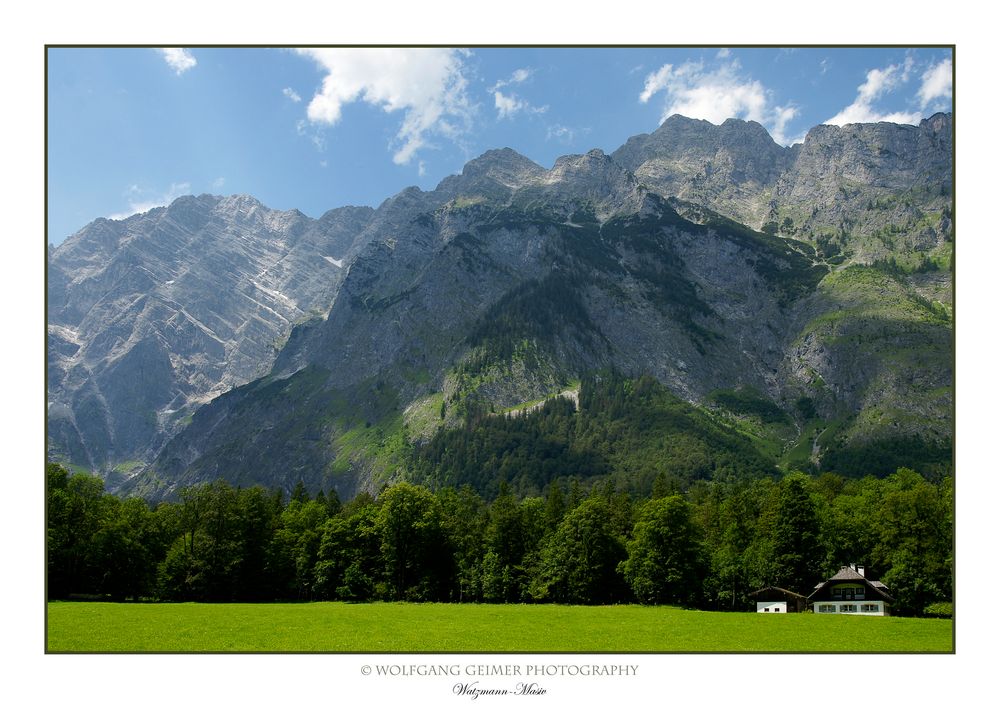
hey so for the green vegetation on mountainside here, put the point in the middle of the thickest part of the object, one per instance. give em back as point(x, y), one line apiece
point(912, 229)
point(876, 358)
point(627, 431)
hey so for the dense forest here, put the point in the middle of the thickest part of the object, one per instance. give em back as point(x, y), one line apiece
point(705, 544)
point(627, 433)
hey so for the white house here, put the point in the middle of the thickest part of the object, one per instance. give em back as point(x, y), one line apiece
point(850, 591)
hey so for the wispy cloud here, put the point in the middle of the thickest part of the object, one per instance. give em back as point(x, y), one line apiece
point(564, 134)
point(510, 104)
point(936, 84)
point(306, 130)
point(427, 85)
point(142, 200)
point(516, 78)
point(179, 59)
point(292, 95)
point(878, 83)
point(716, 94)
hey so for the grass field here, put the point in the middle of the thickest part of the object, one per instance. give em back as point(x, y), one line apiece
point(400, 627)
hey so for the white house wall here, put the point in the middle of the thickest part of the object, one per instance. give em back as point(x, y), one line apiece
point(875, 608)
point(772, 607)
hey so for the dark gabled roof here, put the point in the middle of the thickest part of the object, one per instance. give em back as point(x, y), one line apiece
point(846, 573)
point(783, 591)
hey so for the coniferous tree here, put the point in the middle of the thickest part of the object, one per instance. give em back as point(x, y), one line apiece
point(797, 552)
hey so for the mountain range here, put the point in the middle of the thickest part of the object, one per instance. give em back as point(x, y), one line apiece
point(799, 298)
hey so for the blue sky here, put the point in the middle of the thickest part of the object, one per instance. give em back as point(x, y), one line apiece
point(315, 129)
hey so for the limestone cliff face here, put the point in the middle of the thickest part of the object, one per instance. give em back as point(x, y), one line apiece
point(219, 338)
point(487, 294)
point(729, 168)
point(152, 316)
point(870, 192)
point(862, 192)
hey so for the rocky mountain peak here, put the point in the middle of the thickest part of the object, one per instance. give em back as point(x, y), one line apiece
point(679, 136)
point(726, 167)
point(495, 172)
point(880, 154)
point(238, 204)
point(592, 159)
point(498, 162)
point(156, 314)
point(937, 123)
point(594, 178)
point(675, 122)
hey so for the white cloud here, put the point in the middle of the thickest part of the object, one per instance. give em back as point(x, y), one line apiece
point(712, 95)
point(878, 82)
point(509, 105)
point(781, 117)
point(179, 59)
point(563, 134)
point(723, 53)
point(516, 78)
point(292, 95)
point(140, 202)
point(716, 94)
point(218, 183)
point(520, 75)
point(426, 84)
point(936, 83)
point(655, 82)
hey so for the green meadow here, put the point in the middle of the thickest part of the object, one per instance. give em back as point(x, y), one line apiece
point(435, 627)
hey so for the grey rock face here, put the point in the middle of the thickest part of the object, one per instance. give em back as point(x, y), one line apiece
point(597, 272)
point(862, 192)
point(728, 167)
point(494, 174)
point(876, 191)
point(152, 316)
point(227, 339)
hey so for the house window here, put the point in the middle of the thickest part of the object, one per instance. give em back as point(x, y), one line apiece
point(827, 608)
point(848, 608)
point(848, 594)
point(869, 607)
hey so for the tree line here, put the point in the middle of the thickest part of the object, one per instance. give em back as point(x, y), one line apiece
point(706, 546)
